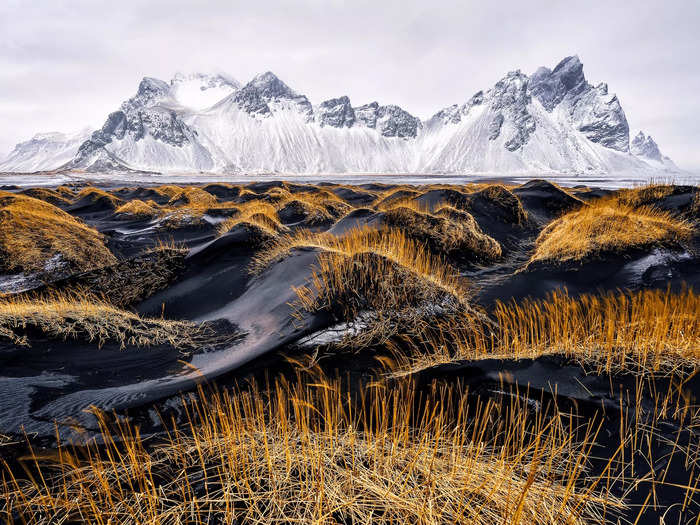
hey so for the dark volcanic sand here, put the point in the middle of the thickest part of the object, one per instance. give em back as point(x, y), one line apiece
point(58, 381)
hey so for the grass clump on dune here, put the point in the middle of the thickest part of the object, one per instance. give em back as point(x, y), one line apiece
point(139, 209)
point(94, 195)
point(257, 213)
point(380, 279)
point(455, 234)
point(314, 208)
point(401, 195)
point(88, 319)
point(606, 226)
point(499, 202)
point(187, 206)
point(651, 329)
point(320, 454)
point(192, 197)
point(32, 232)
point(391, 244)
point(46, 194)
point(646, 195)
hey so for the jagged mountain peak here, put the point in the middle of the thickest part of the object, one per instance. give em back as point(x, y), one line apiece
point(266, 94)
point(270, 86)
point(551, 86)
point(150, 88)
point(643, 145)
point(570, 72)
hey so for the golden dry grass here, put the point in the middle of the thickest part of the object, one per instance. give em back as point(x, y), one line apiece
point(451, 233)
point(308, 454)
point(66, 192)
point(694, 211)
point(193, 198)
point(645, 331)
point(380, 272)
point(644, 195)
point(51, 196)
point(391, 245)
point(314, 208)
point(168, 190)
point(259, 213)
point(80, 317)
point(140, 209)
point(94, 194)
point(33, 231)
point(499, 196)
point(401, 195)
point(185, 206)
point(607, 226)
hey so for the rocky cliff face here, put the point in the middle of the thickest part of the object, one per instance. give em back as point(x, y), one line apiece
point(389, 121)
point(336, 112)
point(591, 109)
point(510, 99)
point(152, 112)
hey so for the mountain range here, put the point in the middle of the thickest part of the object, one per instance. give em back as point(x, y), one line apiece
point(553, 121)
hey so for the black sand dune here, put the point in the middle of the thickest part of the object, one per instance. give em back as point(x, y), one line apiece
point(204, 277)
point(258, 308)
point(213, 283)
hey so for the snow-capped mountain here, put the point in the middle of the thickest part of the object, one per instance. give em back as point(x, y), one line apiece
point(551, 121)
point(148, 130)
point(45, 151)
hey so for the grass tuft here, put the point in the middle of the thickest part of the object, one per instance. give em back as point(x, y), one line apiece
point(258, 213)
point(32, 232)
point(452, 233)
point(606, 226)
point(81, 318)
point(139, 209)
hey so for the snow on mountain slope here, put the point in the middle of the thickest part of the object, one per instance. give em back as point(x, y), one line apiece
point(199, 91)
point(552, 121)
point(44, 151)
point(266, 127)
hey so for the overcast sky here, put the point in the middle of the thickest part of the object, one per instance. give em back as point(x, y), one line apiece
point(67, 64)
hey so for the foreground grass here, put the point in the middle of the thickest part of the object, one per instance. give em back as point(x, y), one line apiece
point(307, 454)
point(32, 232)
